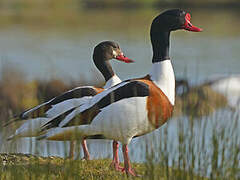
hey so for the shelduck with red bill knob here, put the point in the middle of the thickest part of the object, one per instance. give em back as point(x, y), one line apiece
point(134, 107)
point(37, 116)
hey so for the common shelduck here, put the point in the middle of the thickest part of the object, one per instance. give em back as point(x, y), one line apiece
point(41, 114)
point(134, 107)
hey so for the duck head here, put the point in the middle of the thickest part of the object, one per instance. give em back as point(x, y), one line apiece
point(104, 52)
point(108, 50)
point(162, 25)
point(174, 19)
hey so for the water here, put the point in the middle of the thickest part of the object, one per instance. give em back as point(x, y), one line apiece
point(65, 52)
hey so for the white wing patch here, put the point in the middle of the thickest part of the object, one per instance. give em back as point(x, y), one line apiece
point(64, 106)
point(92, 101)
point(25, 114)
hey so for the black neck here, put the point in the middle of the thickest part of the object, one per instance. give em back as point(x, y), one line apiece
point(160, 45)
point(104, 67)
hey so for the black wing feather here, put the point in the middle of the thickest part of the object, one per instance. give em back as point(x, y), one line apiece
point(42, 109)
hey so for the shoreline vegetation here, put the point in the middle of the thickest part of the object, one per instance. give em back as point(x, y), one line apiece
point(50, 17)
point(212, 4)
point(78, 17)
point(126, 4)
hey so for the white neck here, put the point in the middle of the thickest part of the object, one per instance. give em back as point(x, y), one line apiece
point(112, 82)
point(162, 75)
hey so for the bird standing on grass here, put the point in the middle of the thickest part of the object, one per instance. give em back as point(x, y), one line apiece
point(36, 117)
point(134, 107)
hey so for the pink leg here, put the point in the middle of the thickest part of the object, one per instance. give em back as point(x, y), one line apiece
point(85, 150)
point(127, 166)
point(115, 162)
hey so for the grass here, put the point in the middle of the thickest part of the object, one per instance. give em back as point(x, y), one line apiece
point(14, 166)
